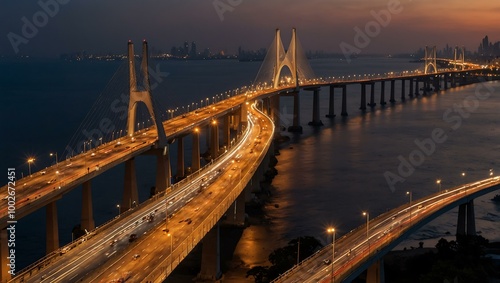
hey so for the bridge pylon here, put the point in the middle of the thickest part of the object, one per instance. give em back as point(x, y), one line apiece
point(142, 94)
point(430, 59)
point(277, 59)
point(459, 58)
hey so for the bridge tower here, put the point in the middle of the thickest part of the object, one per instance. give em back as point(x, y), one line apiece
point(459, 58)
point(288, 58)
point(430, 59)
point(143, 95)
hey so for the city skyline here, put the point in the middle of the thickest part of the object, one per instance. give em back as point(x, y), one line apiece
point(51, 27)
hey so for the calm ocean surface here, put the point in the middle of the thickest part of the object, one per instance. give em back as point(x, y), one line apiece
point(327, 176)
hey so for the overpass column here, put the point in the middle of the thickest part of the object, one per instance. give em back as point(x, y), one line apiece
point(410, 91)
point(130, 194)
point(296, 127)
point(445, 79)
point(195, 163)
point(87, 221)
point(331, 103)
point(372, 95)
point(315, 117)
point(163, 173)
point(471, 221)
point(461, 219)
point(393, 86)
point(376, 273)
point(344, 101)
point(382, 93)
point(52, 229)
point(416, 87)
point(363, 97)
point(403, 89)
point(214, 139)
point(4, 253)
point(180, 158)
point(210, 256)
point(275, 110)
point(227, 130)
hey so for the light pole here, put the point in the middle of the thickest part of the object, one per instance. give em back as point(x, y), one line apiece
point(171, 246)
point(367, 222)
point(30, 160)
point(410, 194)
point(55, 155)
point(332, 230)
point(118, 206)
point(438, 182)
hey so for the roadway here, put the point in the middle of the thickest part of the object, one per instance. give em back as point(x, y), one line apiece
point(112, 243)
point(355, 251)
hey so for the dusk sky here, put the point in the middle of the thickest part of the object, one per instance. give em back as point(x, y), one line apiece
point(105, 26)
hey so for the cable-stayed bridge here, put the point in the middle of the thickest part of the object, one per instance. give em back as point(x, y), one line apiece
point(237, 160)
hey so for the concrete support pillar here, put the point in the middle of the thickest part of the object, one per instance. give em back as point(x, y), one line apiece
point(195, 162)
point(130, 193)
point(372, 95)
point(275, 110)
point(227, 131)
point(382, 93)
point(403, 89)
point(210, 256)
point(426, 85)
point(265, 105)
point(453, 80)
point(87, 221)
point(344, 101)
point(244, 113)
point(4, 253)
point(331, 103)
point(296, 127)
point(214, 139)
point(417, 91)
point(315, 116)
point(410, 90)
point(393, 86)
point(180, 158)
point(163, 173)
point(375, 273)
point(461, 219)
point(437, 83)
point(362, 105)
point(445, 79)
point(236, 213)
point(471, 220)
point(52, 228)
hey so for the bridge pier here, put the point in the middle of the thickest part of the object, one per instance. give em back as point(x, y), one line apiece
point(163, 173)
point(403, 89)
point(445, 79)
point(410, 91)
point(275, 111)
point(315, 117)
point(376, 273)
point(363, 97)
point(344, 101)
point(214, 139)
point(195, 159)
point(52, 228)
point(180, 158)
point(393, 88)
point(372, 95)
point(227, 131)
point(210, 256)
point(437, 83)
point(296, 127)
point(87, 222)
point(466, 224)
point(382, 93)
point(130, 194)
point(236, 213)
point(331, 103)
point(4, 253)
point(416, 87)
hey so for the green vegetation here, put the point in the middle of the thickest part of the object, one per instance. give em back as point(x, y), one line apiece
point(455, 261)
point(285, 258)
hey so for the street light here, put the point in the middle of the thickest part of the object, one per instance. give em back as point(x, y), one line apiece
point(332, 230)
point(55, 155)
point(118, 206)
point(438, 182)
point(30, 160)
point(410, 194)
point(171, 247)
point(367, 222)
